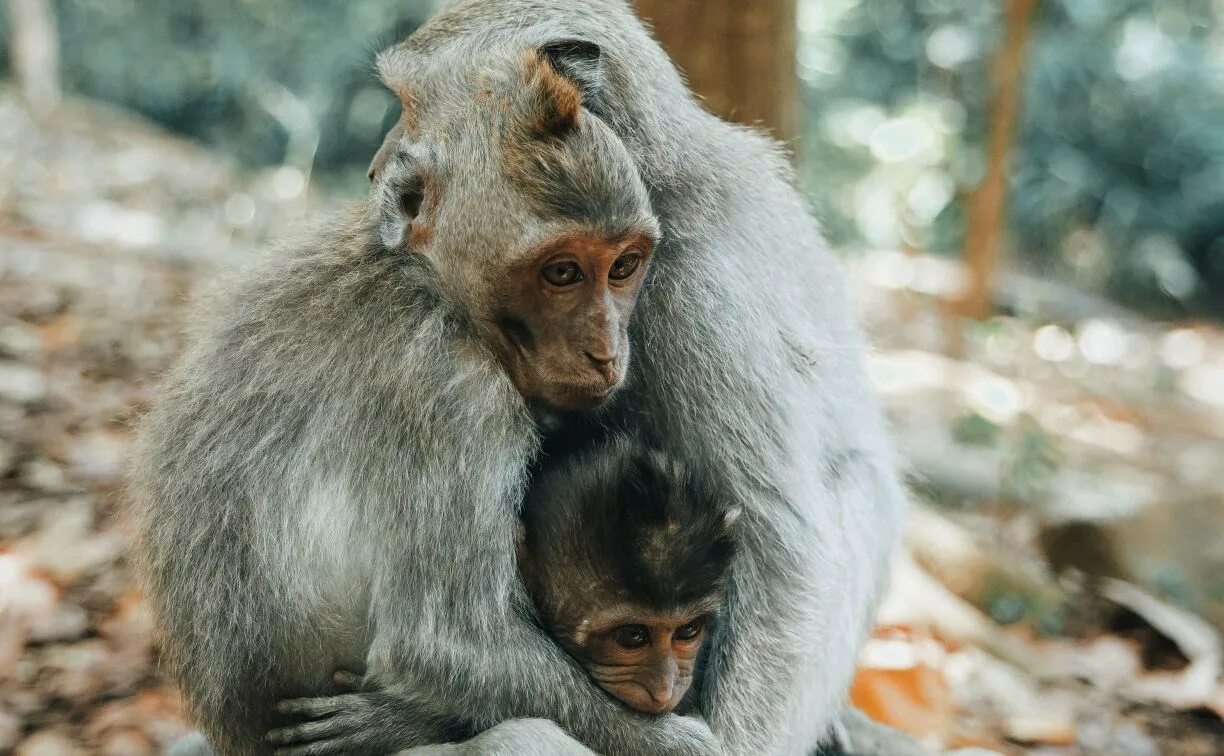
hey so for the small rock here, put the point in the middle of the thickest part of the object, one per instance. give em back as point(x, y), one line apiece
point(79, 670)
point(98, 456)
point(8, 456)
point(21, 384)
point(44, 475)
point(68, 622)
point(49, 743)
point(10, 730)
point(26, 598)
point(67, 547)
point(155, 714)
point(25, 702)
point(1129, 740)
point(18, 339)
point(18, 517)
point(126, 743)
point(11, 421)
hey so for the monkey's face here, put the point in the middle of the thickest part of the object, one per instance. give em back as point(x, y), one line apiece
point(533, 214)
point(561, 319)
point(646, 661)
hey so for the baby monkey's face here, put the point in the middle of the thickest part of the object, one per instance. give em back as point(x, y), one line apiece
point(643, 659)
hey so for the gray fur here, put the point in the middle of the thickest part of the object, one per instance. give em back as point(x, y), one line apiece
point(516, 737)
point(332, 475)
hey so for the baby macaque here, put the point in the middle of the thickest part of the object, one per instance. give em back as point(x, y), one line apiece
point(625, 557)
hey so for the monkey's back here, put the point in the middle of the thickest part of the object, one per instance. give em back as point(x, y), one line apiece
point(276, 425)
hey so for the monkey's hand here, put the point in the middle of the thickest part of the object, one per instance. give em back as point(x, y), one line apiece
point(358, 721)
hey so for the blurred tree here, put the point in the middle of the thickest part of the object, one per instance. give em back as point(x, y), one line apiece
point(269, 81)
point(1116, 180)
point(35, 53)
point(987, 207)
point(738, 56)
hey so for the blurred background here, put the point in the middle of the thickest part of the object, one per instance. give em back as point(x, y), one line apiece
point(1028, 194)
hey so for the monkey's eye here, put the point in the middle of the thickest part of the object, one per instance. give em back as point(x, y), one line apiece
point(625, 265)
point(690, 631)
point(562, 273)
point(631, 636)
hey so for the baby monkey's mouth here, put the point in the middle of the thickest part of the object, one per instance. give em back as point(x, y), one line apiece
point(639, 696)
point(579, 395)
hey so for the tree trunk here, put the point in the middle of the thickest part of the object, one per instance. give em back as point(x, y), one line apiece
point(987, 217)
point(738, 56)
point(35, 53)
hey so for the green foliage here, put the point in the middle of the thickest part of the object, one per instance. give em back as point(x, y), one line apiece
point(250, 76)
point(1118, 173)
point(1032, 464)
point(971, 429)
point(1117, 178)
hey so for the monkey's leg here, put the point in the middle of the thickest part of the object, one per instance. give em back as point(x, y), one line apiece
point(191, 744)
point(860, 735)
point(516, 737)
point(798, 632)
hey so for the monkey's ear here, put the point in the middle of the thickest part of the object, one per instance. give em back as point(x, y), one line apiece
point(386, 151)
point(401, 195)
point(580, 61)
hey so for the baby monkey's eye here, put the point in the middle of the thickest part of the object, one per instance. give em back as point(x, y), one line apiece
point(689, 631)
point(625, 265)
point(562, 273)
point(631, 636)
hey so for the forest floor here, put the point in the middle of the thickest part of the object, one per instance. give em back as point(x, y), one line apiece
point(1065, 548)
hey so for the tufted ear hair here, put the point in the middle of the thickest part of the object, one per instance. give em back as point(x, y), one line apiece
point(582, 63)
point(386, 150)
point(401, 186)
point(552, 103)
point(394, 68)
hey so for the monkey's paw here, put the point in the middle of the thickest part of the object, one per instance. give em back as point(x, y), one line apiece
point(356, 722)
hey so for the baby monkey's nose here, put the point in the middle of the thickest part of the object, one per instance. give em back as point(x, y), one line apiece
point(600, 358)
point(661, 693)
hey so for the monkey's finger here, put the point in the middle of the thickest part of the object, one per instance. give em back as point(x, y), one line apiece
point(312, 708)
point(320, 748)
point(347, 681)
point(322, 731)
point(301, 733)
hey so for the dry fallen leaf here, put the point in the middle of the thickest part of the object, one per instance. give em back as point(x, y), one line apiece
point(898, 684)
point(26, 600)
point(1198, 683)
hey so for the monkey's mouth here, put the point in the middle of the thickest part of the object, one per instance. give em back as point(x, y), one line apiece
point(637, 697)
point(575, 396)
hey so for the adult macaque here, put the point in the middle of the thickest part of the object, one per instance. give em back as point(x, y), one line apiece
point(333, 475)
point(625, 557)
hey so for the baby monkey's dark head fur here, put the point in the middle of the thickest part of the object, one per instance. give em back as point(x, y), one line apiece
point(626, 555)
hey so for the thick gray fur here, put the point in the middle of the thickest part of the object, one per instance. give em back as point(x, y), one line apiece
point(332, 475)
point(515, 737)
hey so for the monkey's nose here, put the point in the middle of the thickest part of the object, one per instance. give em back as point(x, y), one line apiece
point(661, 693)
point(601, 359)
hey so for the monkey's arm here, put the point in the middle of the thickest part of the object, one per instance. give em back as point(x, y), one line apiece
point(768, 395)
point(510, 685)
point(812, 560)
point(450, 621)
